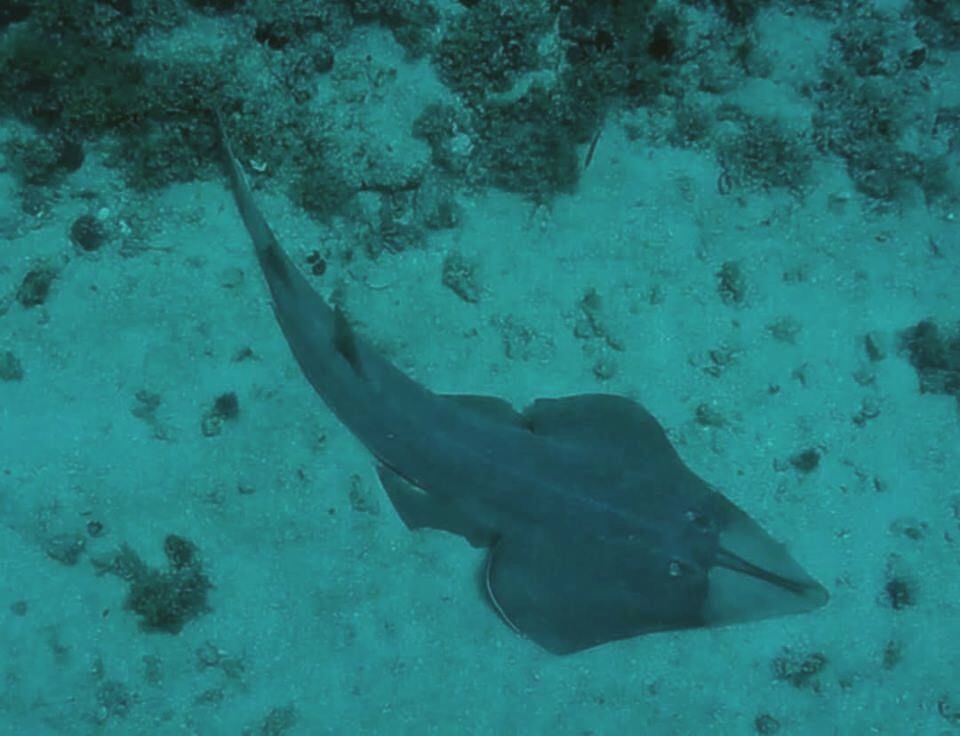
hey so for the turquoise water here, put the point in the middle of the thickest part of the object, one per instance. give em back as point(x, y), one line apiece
point(737, 218)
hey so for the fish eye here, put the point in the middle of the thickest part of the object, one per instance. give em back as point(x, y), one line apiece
point(699, 520)
point(683, 570)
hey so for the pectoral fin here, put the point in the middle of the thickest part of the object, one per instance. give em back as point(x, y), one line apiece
point(418, 509)
point(601, 420)
point(568, 595)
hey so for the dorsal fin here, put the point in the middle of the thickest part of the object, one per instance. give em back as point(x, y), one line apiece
point(345, 342)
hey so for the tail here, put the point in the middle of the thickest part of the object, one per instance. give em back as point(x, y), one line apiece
point(273, 260)
point(299, 309)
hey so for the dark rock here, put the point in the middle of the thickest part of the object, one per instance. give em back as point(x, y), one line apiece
point(799, 671)
point(35, 287)
point(731, 283)
point(459, 275)
point(900, 593)
point(227, 406)
point(807, 460)
point(10, 367)
point(935, 354)
point(65, 548)
point(13, 12)
point(88, 233)
point(766, 724)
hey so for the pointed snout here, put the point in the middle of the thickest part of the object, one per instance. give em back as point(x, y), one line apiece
point(754, 577)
